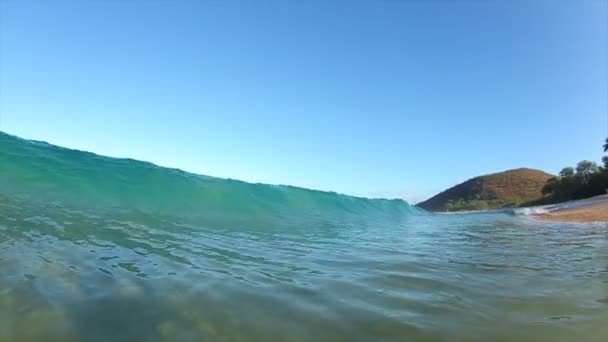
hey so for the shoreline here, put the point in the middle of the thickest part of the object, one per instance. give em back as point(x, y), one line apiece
point(584, 211)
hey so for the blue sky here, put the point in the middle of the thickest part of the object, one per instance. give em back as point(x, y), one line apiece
point(372, 98)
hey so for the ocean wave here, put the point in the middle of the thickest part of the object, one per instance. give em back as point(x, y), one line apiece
point(97, 249)
point(44, 173)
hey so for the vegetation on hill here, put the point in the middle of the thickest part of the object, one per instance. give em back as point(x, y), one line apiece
point(508, 188)
point(524, 187)
point(587, 179)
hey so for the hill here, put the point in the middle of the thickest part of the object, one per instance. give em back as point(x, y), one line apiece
point(512, 187)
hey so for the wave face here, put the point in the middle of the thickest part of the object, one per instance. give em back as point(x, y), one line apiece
point(43, 173)
point(102, 249)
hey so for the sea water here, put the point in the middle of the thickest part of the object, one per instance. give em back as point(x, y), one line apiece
point(101, 249)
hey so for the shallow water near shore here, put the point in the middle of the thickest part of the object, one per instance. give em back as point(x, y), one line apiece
point(100, 249)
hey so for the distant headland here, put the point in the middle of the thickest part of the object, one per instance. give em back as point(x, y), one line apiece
point(524, 187)
point(493, 191)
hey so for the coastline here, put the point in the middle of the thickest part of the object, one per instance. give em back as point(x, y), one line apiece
point(585, 211)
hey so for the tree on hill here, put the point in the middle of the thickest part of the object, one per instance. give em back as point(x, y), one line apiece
point(586, 180)
point(567, 172)
point(585, 170)
point(605, 158)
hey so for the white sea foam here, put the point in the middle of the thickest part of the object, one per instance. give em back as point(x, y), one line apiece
point(531, 211)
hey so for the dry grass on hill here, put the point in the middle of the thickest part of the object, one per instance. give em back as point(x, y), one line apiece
point(491, 191)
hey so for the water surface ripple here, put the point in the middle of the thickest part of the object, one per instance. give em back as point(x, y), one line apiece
point(70, 275)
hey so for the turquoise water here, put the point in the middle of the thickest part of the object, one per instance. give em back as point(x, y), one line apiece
point(101, 249)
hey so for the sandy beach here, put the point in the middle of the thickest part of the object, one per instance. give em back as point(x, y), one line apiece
point(592, 210)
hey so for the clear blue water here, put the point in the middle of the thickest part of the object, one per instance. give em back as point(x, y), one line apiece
point(101, 249)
